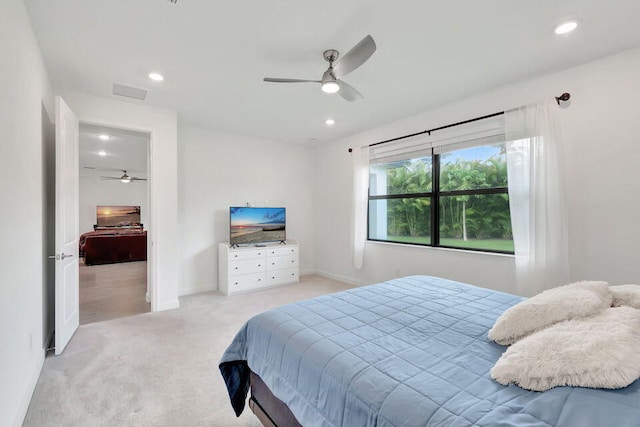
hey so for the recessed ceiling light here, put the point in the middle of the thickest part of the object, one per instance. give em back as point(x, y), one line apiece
point(102, 153)
point(104, 137)
point(330, 122)
point(156, 76)
point(566, 27)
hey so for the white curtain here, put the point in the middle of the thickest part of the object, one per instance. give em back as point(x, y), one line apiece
point(360, 203)
point(536, 197)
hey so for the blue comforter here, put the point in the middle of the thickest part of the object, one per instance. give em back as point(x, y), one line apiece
point(407, 352)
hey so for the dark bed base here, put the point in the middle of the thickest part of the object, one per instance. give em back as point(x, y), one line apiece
point(271, 411)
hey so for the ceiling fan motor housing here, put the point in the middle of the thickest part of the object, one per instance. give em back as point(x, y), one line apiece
point(330, 55)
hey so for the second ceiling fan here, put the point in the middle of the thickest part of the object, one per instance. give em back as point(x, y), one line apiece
point(124, 178)
point(331, 78)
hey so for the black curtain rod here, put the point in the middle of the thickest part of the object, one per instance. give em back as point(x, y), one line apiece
point(564, 97)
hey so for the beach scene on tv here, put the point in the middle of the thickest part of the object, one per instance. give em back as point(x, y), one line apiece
point(257, 225)
point(118, 216)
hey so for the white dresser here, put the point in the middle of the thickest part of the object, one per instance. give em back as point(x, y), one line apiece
point(251, 268)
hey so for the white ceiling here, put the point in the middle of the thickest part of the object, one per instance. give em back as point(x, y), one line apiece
point(124, 150)
point(214, 54)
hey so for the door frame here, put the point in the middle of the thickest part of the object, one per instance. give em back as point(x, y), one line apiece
point(152, 283)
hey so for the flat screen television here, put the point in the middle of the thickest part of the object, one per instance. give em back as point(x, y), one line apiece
point(118, 216)
point(250, 226)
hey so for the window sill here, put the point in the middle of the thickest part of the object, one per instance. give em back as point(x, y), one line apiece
point(440, 248)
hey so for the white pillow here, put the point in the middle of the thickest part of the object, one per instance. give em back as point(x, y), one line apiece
point(580, 299)
point(601, 351)
point(626, 295)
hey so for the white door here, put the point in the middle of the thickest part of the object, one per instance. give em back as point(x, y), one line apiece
point(66, 258)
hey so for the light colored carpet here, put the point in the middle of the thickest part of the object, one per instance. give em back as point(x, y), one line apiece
point(156, 369)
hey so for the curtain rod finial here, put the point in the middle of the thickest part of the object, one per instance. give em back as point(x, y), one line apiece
point(564, 97)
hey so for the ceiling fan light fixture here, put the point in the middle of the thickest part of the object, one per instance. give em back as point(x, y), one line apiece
point(125, 179)
point(330, 87)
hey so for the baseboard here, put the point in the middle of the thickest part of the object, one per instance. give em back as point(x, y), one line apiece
point(31, 388)
point(168, 305)
point(340, 278)
point(196, 290)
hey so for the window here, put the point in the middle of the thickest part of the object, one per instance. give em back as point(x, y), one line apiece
point(449, 198)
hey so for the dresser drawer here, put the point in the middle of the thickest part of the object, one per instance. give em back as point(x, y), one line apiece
point(282, 250)
point(280, 262)
point(280, 277)
point(246, 266)
point(246, 254)
point(246, 282)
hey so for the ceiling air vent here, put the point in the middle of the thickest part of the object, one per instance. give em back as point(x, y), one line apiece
point(129, 91)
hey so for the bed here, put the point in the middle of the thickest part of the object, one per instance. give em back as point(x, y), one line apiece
point(113, 245)
point(407, 352)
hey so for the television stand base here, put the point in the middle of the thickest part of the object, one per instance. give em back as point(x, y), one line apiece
point(283, 242)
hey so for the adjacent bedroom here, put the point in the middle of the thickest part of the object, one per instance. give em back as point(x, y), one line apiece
point(324, 214)
point(113, 206)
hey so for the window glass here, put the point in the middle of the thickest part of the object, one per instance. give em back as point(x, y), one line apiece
point(474, 168)
point(406, 220)
point(476, 222)
point(401, 177)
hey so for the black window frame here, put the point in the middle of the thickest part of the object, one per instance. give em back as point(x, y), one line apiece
point(434, 196)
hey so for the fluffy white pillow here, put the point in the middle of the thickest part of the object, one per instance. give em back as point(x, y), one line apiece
point(601, 351)
point(580, 299)
point(626, 295)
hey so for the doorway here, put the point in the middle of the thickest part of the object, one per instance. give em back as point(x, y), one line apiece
point(113, 221)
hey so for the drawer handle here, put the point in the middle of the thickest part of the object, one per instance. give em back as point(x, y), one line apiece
point(236, 283)
point(259, 253)
point(235, 256)
point(236, 268)
point(273, 277)
point(259, 265)
point(292, 261)
point(293, 274)
point(273, 263)
point(259, 280)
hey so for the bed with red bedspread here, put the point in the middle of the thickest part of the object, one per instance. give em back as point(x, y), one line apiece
point(113, 245)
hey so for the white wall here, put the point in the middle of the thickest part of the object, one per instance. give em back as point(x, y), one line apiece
point(96, 192)
point(218, 170)
point(602, 154)
point(163, 182)
point(25, 88)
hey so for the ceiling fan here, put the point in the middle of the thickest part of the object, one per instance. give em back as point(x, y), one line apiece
point(331, 82)
point(124, 178)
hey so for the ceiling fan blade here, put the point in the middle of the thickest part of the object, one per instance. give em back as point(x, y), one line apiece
point(357, 56)
point(133, 178)
point(349, 92)
point(103, 169)
point(109, 177)
point(276, 80)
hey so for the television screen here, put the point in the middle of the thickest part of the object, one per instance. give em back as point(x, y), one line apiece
point(257, 225)
point(118, 216)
